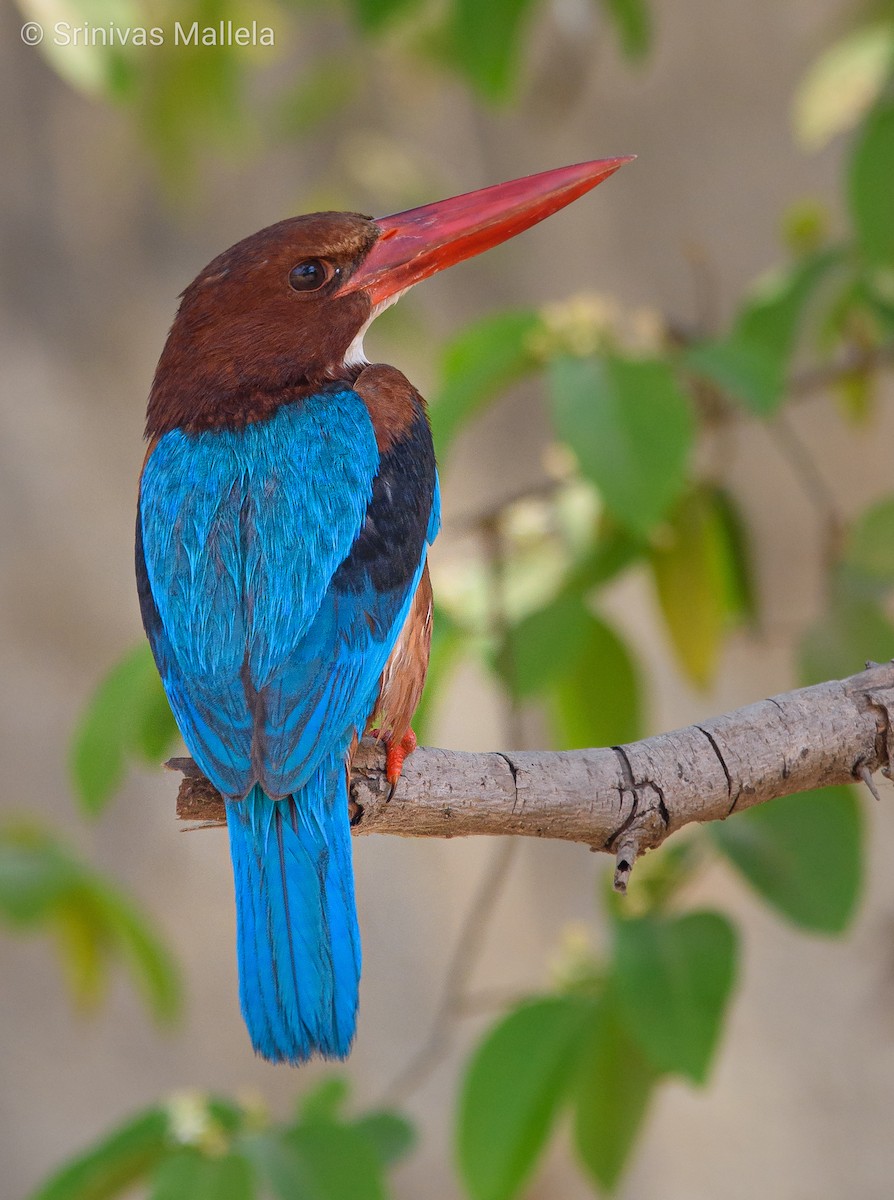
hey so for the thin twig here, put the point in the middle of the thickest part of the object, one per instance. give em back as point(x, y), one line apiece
point(815, 487)
point(543, 489)
point(705, 287)
point(462, 963)
point(856, 360)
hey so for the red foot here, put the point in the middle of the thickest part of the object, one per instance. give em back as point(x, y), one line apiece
point(395, 753)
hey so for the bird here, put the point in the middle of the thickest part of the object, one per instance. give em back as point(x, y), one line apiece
point(287, 502)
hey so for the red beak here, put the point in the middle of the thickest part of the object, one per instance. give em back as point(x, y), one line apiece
point(415, 244)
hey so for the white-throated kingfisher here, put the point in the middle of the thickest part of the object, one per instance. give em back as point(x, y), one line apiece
point(287, 503)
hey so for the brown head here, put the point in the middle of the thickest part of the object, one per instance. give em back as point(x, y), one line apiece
point(264, 322)
point(284, 311)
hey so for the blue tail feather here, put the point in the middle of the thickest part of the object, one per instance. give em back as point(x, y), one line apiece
point(297, 937)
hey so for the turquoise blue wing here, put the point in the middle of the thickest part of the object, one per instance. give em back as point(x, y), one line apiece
point(239, 535)
point(324, 690)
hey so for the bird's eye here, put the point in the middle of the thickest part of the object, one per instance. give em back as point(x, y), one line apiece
point(309, 275)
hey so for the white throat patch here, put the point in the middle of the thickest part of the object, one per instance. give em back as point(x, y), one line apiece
point(354, 355)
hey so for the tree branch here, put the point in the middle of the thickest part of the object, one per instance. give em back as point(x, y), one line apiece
point(624, 799)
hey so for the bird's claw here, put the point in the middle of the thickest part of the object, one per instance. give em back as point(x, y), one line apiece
point(395, 754)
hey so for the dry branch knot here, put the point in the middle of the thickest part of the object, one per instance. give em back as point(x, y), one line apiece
point(881, 701)
point(625, 860)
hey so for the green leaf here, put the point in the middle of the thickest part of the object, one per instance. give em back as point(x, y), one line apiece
point(318, 1161)
point(190, 1175)
point(776, 306)
point(877, 294)
point(477, 365)
point(114, 1164)
point(41, 882)
point(871, 185)
point(35, 875)
point(517, 1079)
point(842, 84)
point(374, 15)
point(98, 750)
point(851, 632)
point(631, 428)
point(190, 97)
point(91, 68)
point(128, 716)
point(633, 22)
point(131, 936)
point(741, 595)
point(691, 573)
point(856, 393)
point(674, 979)
point(870, 547)
point(223, 1117)
point(485, 41)
point(615, 550)
point(154, 731)
point(855, 317)
point(545, 646)
point(596, 702)
point(751, 362)
point(390, 1135)
point(82, 949)
point(611, 1097)
point(802, 854)
point(325, 1101)
point(750, 372)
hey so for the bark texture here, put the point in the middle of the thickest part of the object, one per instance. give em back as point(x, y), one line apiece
point(623, 799)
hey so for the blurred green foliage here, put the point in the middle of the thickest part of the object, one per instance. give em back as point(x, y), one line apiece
point(514, 1085)
point(600, 1045)
point(802, 854)
point(751, 362)
point(629, 425)
point(630, 400)
point(701, 579)
point(45, 887)
point(201, 1147)
point(128, 720)
point(477, 366)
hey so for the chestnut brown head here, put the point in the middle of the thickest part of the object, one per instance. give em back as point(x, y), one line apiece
point(266, 320)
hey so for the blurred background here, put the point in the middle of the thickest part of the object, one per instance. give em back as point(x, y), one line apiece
point(738, 549)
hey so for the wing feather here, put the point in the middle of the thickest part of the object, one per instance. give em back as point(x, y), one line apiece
point(278, 565)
